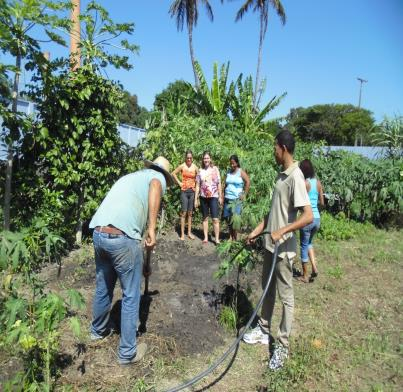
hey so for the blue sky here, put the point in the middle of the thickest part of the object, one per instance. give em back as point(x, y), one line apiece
point(316, 57)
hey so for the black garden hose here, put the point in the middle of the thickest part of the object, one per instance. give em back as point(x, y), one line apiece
point(206, 372)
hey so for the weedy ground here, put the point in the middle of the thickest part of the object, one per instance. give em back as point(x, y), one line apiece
point(347, 333)
point(348, 325)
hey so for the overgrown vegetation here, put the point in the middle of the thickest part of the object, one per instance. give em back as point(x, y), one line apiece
point(63, 161)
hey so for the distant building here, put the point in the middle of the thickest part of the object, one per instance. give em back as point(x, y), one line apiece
point(130, 135)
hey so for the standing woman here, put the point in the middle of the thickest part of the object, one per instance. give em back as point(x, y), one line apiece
point(237, 184)
point(188, 172)
point(315, 193)
point(208, 187)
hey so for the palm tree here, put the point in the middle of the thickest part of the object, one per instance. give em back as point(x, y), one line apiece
point(186, 10)
point(262, 6)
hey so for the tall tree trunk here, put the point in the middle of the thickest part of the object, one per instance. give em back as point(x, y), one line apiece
point(75, 36)
point(259, 61)
point(192, 56)
point(14, 133)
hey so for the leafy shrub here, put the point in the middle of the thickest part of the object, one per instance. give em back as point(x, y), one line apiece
point(235, 254)
point(24, 250)
point(29, 326)
point(362, 189)
point(222, 138)
point(340, 228)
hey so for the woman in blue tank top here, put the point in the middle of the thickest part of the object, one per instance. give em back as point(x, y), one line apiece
point(315, 193)
point(237, 185)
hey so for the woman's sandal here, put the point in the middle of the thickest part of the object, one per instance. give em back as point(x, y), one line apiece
point(303, 280)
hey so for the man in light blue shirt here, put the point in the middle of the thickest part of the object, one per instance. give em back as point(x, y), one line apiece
point(119, 225)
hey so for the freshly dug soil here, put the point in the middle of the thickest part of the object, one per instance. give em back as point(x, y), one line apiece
point(178, 317)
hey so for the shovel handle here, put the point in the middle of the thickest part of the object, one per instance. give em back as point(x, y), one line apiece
point(147, 269)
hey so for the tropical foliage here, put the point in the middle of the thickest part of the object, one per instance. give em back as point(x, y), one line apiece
point(18, 18)
point(362, 189)
point(262, 7)
point(178, 97)
point(74, 146)
point(389, 134)
point(242, 108)
point(336, 124)
point(187, 11)
point(73, 151)
point(214, 99)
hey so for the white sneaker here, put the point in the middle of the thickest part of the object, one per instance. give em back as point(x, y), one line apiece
point(279, 357)
point(256, 335)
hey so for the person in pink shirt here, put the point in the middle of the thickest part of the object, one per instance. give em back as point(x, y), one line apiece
point(209, 195)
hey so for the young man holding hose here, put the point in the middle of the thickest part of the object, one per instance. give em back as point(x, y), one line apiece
point(289, 197)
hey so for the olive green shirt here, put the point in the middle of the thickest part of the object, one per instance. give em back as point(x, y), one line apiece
point(289, 195)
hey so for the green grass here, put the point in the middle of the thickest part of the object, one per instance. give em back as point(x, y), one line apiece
point(335, 272)
point(228, 318)
point(308, 361)
point(347, 332)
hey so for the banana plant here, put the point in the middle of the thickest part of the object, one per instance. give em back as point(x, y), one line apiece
point(214, 99)
point(242, 104)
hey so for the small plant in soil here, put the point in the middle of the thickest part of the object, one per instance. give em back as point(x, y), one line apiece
point(29, 325)
point(228, 318)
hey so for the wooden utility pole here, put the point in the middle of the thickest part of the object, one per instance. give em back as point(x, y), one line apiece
point(75, 34)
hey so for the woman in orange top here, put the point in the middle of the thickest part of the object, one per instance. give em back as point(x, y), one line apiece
point(189, 172)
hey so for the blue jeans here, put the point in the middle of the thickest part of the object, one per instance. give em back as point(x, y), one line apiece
point(306, 236)
point(232, 207)
point(117, 257)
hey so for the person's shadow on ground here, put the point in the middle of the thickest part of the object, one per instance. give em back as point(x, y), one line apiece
point(145, 302)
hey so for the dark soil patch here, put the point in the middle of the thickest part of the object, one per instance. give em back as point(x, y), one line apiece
point(178, 317)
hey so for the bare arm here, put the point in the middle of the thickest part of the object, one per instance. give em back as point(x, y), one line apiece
point(304, 219)
point(320, 191)
point(154, 202)
point(220, 193)
point(246, 179)
point(257, 230)
point(175, 172)
point(197, 191)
